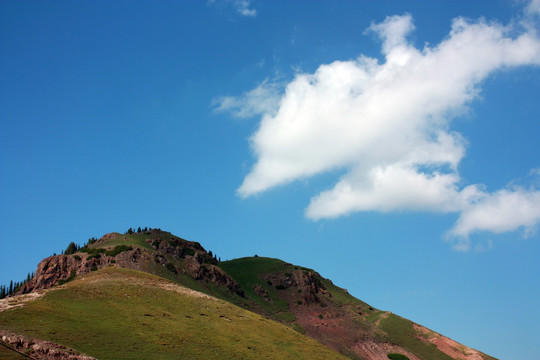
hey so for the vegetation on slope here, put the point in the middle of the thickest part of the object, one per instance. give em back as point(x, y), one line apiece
point(249, 272)
point(293, 295)
point(119, 313)
point(400, 331)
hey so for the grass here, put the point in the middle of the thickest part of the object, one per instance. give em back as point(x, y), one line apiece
point(395, 356)
point(6, 354)
point(209, 288)
point(400, 331)
point(341, 297)
point(135, 239)
point(125, 314)
point(250, 271)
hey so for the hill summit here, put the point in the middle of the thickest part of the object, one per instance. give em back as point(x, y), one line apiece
point(150, 294)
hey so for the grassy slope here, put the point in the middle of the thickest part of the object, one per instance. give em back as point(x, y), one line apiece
point(136, 239)
point(6, 354)
point(124, 314)
point(399, 331)
point(141, 240)
point(250, 271)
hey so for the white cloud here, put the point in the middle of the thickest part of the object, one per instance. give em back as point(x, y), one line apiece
point(242, 7)
point(503, 211)
point(388, 124)
point(533, 8)
point(264, 99)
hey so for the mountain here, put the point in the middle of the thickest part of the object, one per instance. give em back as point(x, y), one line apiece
point(150, 294)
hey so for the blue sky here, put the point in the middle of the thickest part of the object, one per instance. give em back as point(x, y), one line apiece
point(391, 145)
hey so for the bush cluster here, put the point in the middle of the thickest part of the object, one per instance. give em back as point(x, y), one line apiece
point(118, 249)
point(395, 356)
point(96, 252)
point(171, 268)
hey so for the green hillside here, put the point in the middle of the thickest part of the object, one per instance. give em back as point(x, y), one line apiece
point(119, 313)
point(151, 294)
point(333, 317)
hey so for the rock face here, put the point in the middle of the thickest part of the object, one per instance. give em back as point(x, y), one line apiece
point(199, 270)
point(310, 285)
point(306, 283)
point(55, 269)
point(178, 255)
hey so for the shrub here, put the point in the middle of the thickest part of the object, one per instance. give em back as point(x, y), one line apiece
point(171, 268)
point(187, 252)
point(93, 256)
point(92, 251)
point(118, 249)
point(77, 257)
point(395, 356)
point(299, 302)
point(280, 287)
point(71, 249)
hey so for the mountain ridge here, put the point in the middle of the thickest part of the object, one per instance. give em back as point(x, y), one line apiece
point(295, 296)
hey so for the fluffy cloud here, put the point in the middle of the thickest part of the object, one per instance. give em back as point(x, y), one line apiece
point(388, 124)
point(505, 210)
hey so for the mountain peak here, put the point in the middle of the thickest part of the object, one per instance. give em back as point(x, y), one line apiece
point(293, 295)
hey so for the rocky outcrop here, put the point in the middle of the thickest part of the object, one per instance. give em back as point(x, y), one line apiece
point(187, 257)
point(196, 267)
point(39, 349)
point(310, 285)
point(58, 269)
point(307, 283)
point(259, 290)
point(54, 269)
point(193, 260)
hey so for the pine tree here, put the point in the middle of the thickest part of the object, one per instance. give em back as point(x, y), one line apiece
point(71, 249)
